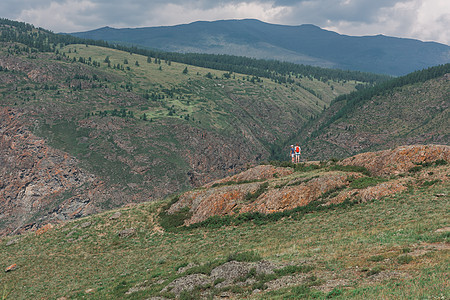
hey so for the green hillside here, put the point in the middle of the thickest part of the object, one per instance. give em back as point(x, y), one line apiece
point(396, 247)
point(412, 109)
point(148, 126)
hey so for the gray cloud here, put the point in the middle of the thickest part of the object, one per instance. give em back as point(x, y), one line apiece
point(421, 19)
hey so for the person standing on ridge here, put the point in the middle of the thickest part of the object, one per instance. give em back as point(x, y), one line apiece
point(298, 151)
point(292, 153)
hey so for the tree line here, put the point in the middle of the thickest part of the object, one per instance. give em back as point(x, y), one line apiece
point(280, 72)
point(355, 99)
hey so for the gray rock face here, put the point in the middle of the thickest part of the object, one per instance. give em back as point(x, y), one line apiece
point(187, 283)
point(32, 175)
point(231, 270)
point(127, 232)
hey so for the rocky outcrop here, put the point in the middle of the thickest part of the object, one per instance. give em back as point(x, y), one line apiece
point(257, 173)
point(269, 189)
point(398, 160)
point(33, 175)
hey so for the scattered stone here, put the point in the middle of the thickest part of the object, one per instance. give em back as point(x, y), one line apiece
point(230, 270)
point(115, 216)
point(265, 267)
point(444, 229)
point(127, 232)
point(11, 268)
point(89, 291)
point(440, 195)
point(289, 280)
point(187, 283)
point(86, 224)
point(62, 298)
point(12, 242)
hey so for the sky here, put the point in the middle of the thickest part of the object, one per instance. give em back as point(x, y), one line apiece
point(426, 20)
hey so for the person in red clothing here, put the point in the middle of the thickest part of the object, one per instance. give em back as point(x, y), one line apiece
point(298, 151)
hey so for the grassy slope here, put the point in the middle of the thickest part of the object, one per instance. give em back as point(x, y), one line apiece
point(379, 249)
point(204, 93)
point(133, 151)
point(413, 114)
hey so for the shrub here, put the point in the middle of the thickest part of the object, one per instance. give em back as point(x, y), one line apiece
point(253, 196)
point(431, 182)
point(415, 169)
point(248, 256)
point(171, 222)
point(364, 182)
point(376, 258)
point(333, 192)
point(404, 259)
point(335, 292)
point(375, 270)
point(440, 162)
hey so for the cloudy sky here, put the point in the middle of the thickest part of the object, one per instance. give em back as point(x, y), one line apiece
point(426, 20)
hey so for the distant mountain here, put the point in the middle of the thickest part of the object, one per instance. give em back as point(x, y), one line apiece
point(305, 44)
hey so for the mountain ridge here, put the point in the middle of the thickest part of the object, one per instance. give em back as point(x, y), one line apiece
point(306, 43)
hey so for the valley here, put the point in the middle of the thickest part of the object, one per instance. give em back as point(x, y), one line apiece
point(136, 124)
point(128, 173)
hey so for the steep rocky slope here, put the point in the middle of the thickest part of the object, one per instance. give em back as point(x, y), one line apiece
point(268, 189)
point(40, 184)
point(413, 113)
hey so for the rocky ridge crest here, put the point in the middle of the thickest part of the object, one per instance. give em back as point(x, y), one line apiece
point(364, 177)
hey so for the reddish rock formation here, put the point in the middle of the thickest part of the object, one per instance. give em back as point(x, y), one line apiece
point(289, 190)
point(293, 196)
point(256, 173)
point(398, 160)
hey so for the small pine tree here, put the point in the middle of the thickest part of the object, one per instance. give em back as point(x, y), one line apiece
point(185, 71)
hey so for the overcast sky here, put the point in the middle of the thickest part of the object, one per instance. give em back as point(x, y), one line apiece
point(426, 20)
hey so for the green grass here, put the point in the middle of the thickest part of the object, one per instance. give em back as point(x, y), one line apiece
point(364, 182)
point(332, 240)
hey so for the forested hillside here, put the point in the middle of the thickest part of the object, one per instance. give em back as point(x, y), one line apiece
point(407, 110)
point(119, 126)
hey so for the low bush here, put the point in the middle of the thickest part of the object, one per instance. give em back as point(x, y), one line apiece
point(248, 256)
point(404, 259)
point(333, 192)
point(431, 182)
point(170, 222)
point(376, 258)
point(250, 197)
point(364, 182)
point(375, 270)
